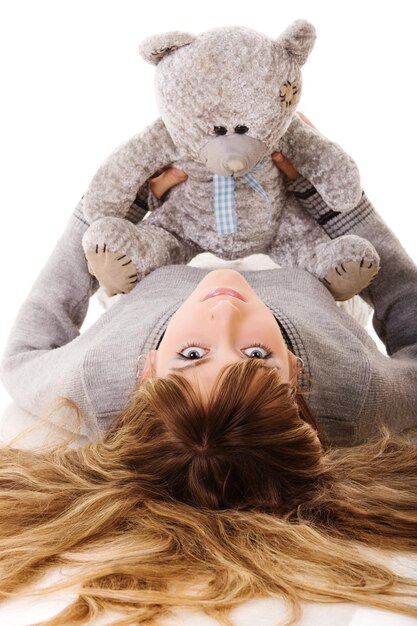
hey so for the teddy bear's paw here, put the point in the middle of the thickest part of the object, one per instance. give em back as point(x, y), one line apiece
point(115, 271)
point(350, 278)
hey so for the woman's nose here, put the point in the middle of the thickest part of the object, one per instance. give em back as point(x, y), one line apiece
point(224, 324)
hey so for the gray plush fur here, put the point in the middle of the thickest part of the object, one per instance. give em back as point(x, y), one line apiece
point(226, 77)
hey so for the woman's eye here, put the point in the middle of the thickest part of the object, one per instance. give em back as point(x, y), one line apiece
point(192, 353)
point(256, 352)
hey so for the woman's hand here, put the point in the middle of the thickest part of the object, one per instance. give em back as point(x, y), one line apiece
point(285, 166)
point(282, 163)
point(165, 181)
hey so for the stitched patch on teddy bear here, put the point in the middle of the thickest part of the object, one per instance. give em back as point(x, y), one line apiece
point(287, 94)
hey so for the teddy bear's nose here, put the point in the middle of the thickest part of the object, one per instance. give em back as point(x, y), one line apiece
point(235, 163)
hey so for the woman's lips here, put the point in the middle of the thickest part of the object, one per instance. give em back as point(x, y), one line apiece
point(224, 292)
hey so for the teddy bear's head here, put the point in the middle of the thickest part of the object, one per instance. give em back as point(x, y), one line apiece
point(228, 95)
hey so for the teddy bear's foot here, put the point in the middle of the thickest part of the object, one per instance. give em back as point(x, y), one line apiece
point(350, 278)
point(115, 271)
point(110, 246)
point(345, 265)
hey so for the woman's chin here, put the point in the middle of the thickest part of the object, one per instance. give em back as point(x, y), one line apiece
point(224, 275)
point(226, 278)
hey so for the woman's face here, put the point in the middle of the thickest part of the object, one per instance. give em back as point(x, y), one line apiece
point(221, 322)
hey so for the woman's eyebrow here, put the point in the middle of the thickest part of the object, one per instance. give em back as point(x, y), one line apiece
point(194, 363)
point(197, 362)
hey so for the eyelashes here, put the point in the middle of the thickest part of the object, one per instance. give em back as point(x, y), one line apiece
point(258, 346)
point(195, 346)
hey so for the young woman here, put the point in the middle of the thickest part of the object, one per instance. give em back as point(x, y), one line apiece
point(253, 458)
point(351, 385)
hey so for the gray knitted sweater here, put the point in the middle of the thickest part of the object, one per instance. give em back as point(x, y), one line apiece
point(352, 385)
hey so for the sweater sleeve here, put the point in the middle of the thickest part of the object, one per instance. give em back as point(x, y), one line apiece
point(43, 356)
point(141, 205)
point(393, 293)
point(145, 202)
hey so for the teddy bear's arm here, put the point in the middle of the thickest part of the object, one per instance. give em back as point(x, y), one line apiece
point(329, 169)
point(115, 185)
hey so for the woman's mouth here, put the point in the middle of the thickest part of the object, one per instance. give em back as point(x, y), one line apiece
point(224, 291)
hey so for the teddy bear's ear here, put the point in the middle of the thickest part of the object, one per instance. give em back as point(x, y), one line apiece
point(298, 40)
point(156, 47)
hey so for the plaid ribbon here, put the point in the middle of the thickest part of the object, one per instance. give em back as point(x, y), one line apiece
point(224, 199)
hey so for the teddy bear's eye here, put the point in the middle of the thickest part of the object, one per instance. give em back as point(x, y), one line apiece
point(241, 129)
point(220, 130)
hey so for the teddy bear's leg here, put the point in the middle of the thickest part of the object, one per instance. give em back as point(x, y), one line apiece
point(345, 265)
point(120, 253)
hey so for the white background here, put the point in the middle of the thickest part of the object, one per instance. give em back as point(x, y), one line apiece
point(74, 87)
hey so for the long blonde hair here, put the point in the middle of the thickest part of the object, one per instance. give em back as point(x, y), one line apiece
point(185, 504)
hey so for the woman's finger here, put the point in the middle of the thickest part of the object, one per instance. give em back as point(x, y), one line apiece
point(284, 165)
point(282, 162)
point(305, 119)
point(165, 181)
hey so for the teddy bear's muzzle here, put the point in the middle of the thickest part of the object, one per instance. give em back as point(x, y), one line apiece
point(232, 155)
point(236, 163)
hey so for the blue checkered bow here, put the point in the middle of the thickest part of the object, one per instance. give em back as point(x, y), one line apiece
point(224, 199)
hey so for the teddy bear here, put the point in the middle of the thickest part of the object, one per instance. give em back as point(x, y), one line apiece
point(227, 100)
